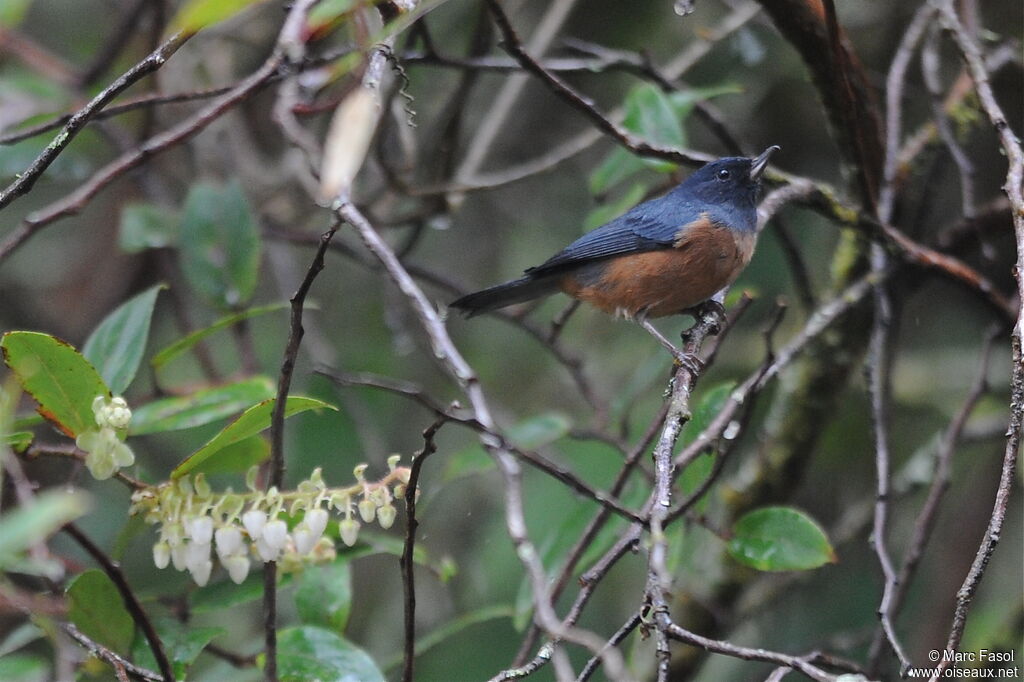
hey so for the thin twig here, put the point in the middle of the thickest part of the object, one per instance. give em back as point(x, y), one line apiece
point(114, 659)
point(407, 562)
point(131, 603)
point(27, 178)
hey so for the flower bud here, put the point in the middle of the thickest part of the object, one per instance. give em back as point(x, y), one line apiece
point(349, 529)
point(367, 510)
point(161, 554)
point(254, 520)
point(386, 516)
point(393, 461)
point(399, 492)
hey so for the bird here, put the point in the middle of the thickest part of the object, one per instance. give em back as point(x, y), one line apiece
point(662, 257)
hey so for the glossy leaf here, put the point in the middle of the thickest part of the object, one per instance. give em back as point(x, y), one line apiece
point(237, 458)
point(115, 348)
point(198, 14)
point(96, 608)
point(146, 226)
point(182, 643)
point(202, 407)
point(220, 244)
point(323, 595)
point(252, 421)
point(445, 632)
point(312, 653)
point(29, 524)
point(186, 343)
point(780, 539)
point(57, 376)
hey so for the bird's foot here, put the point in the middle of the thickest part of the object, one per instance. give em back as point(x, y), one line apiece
point(688, 361)
point(708, 307)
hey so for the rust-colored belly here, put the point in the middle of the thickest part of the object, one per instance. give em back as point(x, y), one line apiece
point(666, 281)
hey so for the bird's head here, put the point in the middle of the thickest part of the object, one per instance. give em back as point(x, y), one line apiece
point(733, 179)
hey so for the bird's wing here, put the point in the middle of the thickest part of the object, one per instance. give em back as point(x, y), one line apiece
point(646, 227)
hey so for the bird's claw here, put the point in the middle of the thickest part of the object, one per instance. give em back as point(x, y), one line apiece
point(688, 361)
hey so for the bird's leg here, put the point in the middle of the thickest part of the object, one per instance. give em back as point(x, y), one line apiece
point(691, 362)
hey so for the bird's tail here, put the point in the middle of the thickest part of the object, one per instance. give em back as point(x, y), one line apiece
point(517, 291)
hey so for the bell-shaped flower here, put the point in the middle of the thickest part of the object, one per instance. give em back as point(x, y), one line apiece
point(254, 520)
point(105, 453)
point(349, 530)
point(367, 510)
point(161, 554)
point(179, 556)
point(275, 534)
point(201, 572)
point(386, 516)
point(229, 542)
point(200, 529)
point(266, 552)
point(237, 567)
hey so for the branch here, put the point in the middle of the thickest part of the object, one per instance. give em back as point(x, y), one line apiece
point(119, 663)
point(27, 178)
point(131, 603)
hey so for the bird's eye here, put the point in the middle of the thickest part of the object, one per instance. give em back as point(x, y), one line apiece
point(724, 174)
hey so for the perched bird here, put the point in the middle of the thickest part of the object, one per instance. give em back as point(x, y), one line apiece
point(661, 257)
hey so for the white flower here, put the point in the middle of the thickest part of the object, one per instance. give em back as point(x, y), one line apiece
point(254, 520)
point(266, 552)
point(349, 529)
point(309, 530)
point(275, 534)
point(201, 572)
point(200, 529)
point(229, 542)
point(179, 554)
point(105, 453)
point(196, 554)
point(113, 412)
point(237, 567)
point(161, 554)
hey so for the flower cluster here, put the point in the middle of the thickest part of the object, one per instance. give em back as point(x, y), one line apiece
point(104, 446)
point(196, 523)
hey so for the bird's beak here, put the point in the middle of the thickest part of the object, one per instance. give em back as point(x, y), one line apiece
point(758, 165)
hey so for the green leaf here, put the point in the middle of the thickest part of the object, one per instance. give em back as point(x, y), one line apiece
point(96, 608)
point(17, 440)
point(607, 212)
point(616, 167)
point(311, 653)
point(324, 595)
point(185, 344)
point(252, 421)
point(12, 12)
point(57, 376)
point(534, 432)
point(780, 539)
point(198, 14)
point(115, 348)
point(711, 403)
point(24, 668)
point(22, 635)
point(236, 458)
point(220, 244)
point(182, 643)
point(327, 12)
point(445, 632)
point(201, 407)
point(147, 226)
point(32, 523)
